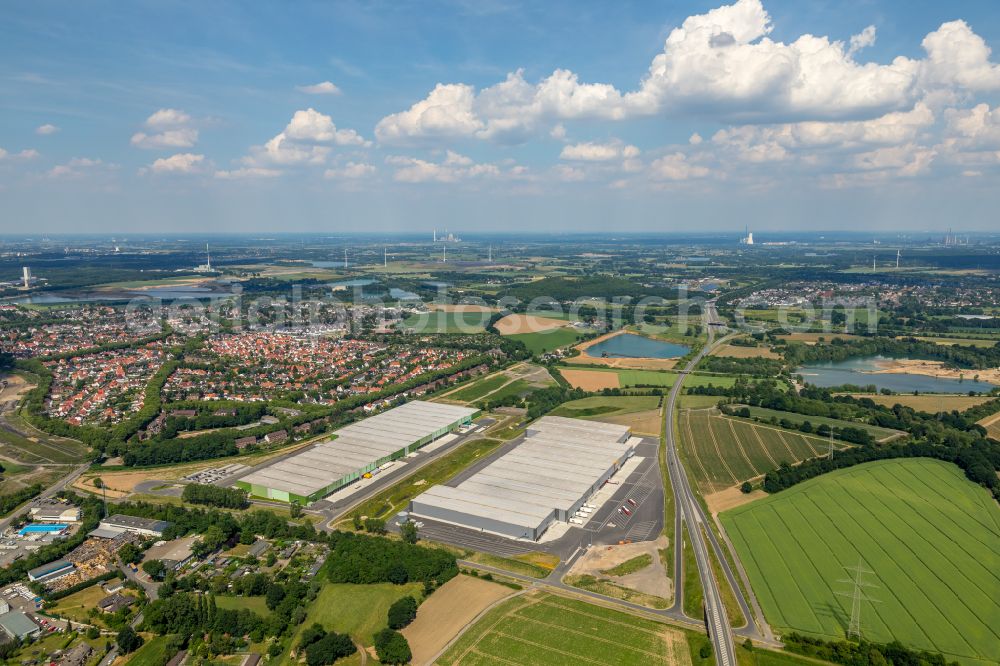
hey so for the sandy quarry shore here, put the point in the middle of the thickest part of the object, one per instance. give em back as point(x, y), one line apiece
point(934, 369)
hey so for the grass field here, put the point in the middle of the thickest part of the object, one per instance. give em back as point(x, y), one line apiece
point(396, 497)
point(597, 406)
point(545, 341)
point(517, 387)
point(358, 610)
point(637, 563)
point(440, 321)
point(697, 401)
point(726, 451)
point(739, 351)
point(543, 629)
point(76, 605)
point(930, 536)
point(992, 425)
point(479, 388)
point(152, 653)
point(535, 564)
point(640, 412)
point(658, 378)
point(876, 432)
point(256, 604)
point(22, 441)
point(965, 342)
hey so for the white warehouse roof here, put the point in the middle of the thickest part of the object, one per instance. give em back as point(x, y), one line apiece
point(549, 474)
point(358, 445)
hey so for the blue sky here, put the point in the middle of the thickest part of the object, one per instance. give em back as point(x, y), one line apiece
point(496, 115)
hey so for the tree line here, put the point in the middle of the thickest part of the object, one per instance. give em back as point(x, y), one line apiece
point(227, 498)
point(980, 463)
point(955, 356)
point(862, 653)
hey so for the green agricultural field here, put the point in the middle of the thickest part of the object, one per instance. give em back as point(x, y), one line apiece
point(876, 432)
point(697, 401)
point(930, 536)
point(543, 629)
point(545, 341)
point(358, 610)
point(439, 321)
point(725, 451)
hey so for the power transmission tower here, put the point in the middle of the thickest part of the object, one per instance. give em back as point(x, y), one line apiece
point(857, 595)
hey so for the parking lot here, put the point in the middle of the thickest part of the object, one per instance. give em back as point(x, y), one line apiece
point(214, 475)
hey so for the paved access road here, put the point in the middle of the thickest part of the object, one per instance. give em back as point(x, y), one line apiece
point(688, 512)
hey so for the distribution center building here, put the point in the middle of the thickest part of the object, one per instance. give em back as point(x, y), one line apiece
point(548, 477)
point(355, 450)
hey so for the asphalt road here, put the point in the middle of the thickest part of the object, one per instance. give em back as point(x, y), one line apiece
point(55, 488)
point(689, 513)
point(716, 618)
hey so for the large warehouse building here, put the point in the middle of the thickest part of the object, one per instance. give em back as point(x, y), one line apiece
point(354, 451)
point(555, 470)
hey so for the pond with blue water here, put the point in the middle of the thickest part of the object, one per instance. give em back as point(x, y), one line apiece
point(630, 345)
point(865, 372)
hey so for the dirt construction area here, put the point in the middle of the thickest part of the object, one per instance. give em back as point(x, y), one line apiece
point(522, 323)
point(730, 498)
point(650, 580)
point(642, 423)
point(590, 380)
point(446, 612)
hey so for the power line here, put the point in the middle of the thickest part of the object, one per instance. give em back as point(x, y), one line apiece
point(857, 595)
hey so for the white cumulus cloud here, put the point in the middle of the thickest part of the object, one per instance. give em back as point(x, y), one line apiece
point(676, 166)
point(598, 152)
point(722, 63)
point(350, 171)
point(169, 129)
point(179, 163)
point(247, 172)
point(46, 129)
point(321, 88)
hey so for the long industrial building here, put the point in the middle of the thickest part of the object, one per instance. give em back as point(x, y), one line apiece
point(355, 450)
point(546, 478)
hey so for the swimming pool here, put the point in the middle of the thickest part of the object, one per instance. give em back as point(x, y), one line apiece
point(41, 529)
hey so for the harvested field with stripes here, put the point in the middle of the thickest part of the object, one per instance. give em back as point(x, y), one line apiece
point(548, 630)
point(724, 451)
point(930, 537)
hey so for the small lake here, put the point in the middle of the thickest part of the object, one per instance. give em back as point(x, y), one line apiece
point(860, 371)
point(629, 345)
point(162, 293)
point(357, 282)
point(53, 299)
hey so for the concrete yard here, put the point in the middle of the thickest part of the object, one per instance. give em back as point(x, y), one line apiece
point(549, 477)
point(606, 526)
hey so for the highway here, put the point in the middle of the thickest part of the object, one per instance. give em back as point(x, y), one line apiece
point(688, 512)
